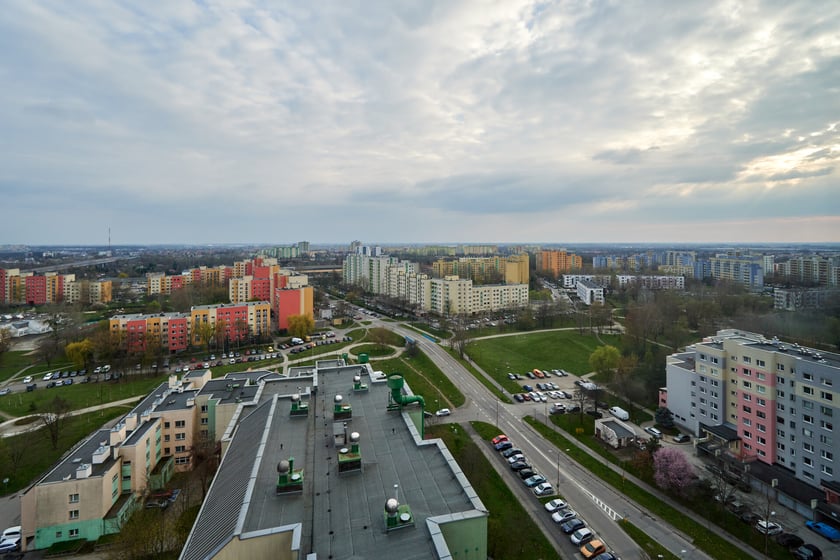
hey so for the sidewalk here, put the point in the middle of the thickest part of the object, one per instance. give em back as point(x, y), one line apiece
point(10, 428)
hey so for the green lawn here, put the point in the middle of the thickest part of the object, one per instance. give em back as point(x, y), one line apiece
point(373, 350)
point(37, 452)
point(14, 361)
point(519, 353)
point(424, 378)
point(506, 513)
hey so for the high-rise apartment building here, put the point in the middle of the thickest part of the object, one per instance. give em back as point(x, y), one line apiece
point(557, 262)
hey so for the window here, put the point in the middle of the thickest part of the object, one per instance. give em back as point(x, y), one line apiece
point(747, 435)
point(759, 363)
point(780, 446)
point(780, 406)
point(58, 534)
point(747, 422)
point(807, 418)
point(826, 440)
point(166, 425)
point(747, 385)
point(826, 425)
point(780, 433)
point(204, 408)
point(826, 381)
point(807, 461)
point(827, 455)
point(808, 475)
point(808, 376)
point(166, 451)
point(180, 436)
point(780, 367)
point(826, 395)
point(747, 397)
point(180, 448)
point(762, 441)
point(760, 376)
point(746, 360)
point(74, 499)
point(826, 411)
point(807, 404)
point(180, 423)
point(747, 409)
point(809, 447)
point(761, 402)
point(715, 383)
point(166, 437)
point(182, 460)
point(761, 427)
point(761, 389)
point(760, 414)
point(73, 533)
point(827, 470)
point(780, 394)
point(74, 514)
point(808, 390)
point(204, 421)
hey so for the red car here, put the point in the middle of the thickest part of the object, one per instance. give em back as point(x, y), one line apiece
point(499, 439)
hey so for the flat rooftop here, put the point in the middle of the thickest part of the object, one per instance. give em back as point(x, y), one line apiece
point(80, 456)
point(337, 516)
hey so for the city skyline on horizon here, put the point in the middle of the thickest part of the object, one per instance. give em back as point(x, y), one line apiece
point(209, 123)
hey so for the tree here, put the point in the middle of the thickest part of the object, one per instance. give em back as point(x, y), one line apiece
point(581, 398)
point(664, 417)
point(672, 471)
point(300, 326)
point(460, 335)
point(54, 418)
point(80, 353)
point(604, 359)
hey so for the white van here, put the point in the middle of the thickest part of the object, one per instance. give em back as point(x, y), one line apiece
point(619, 413)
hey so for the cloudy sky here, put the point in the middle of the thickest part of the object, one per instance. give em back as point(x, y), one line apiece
point(387, 121)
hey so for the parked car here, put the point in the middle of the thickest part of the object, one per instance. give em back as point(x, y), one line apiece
point(48, 376)
point(543, 489)
point(682, 438)
point(27, 379)
point(515, 458)
point(499, 439)
point(824, 529)
point(508, 453)
point(526, 473)
point(5, 391)
point(532, 481)
point(519, 465)
point(582, 536)
point(443, 412)
point(563, 515)
point(593, 548)
point(503, 445)
point(748, 517)
point(789, 540)
point(768, 527)
point(654, 432)
point(572, 525)
point(555, 504)
point(519, 398)
point(808, 552)
point(10, 544)
point(606, 556)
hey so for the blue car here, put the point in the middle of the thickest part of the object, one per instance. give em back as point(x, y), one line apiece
point(824, 529)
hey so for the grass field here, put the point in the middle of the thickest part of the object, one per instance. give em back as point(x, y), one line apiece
point(37, 453)
point(424, 378)
point(506, 513)
point(523, 352)
point(373, 350)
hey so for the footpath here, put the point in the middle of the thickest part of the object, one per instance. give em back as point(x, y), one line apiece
point(14, 427)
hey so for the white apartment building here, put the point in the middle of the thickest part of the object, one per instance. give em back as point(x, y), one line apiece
point(590, 292)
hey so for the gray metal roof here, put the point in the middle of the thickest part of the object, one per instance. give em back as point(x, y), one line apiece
point(83, 454)
point(139, 432)
point(338, 516)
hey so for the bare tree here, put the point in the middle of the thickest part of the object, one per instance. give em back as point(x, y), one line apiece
point(460, 335)
point(54, 418)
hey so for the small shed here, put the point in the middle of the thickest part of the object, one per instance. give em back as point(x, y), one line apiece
point(614, 432)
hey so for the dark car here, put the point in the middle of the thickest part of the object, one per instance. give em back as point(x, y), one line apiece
point(526, 473)
point(527, 388)
point(573, 408)
point(510, 452)
point(518, 397)
point(572, 525)
point(502, 446)
point(594, 413)
point(748, 517)
point(519, 465)
point(530, 375)
point(789, 540)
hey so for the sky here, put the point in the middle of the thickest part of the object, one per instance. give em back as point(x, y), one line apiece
point(425, 122)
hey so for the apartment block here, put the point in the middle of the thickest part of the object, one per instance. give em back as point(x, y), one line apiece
point(753, 399)
point(651, 282)
point(589, 292)
point(742, 269)
point(292, 301)
point(557, 262)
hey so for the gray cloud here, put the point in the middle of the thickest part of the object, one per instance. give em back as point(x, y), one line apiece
point(459, 119)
